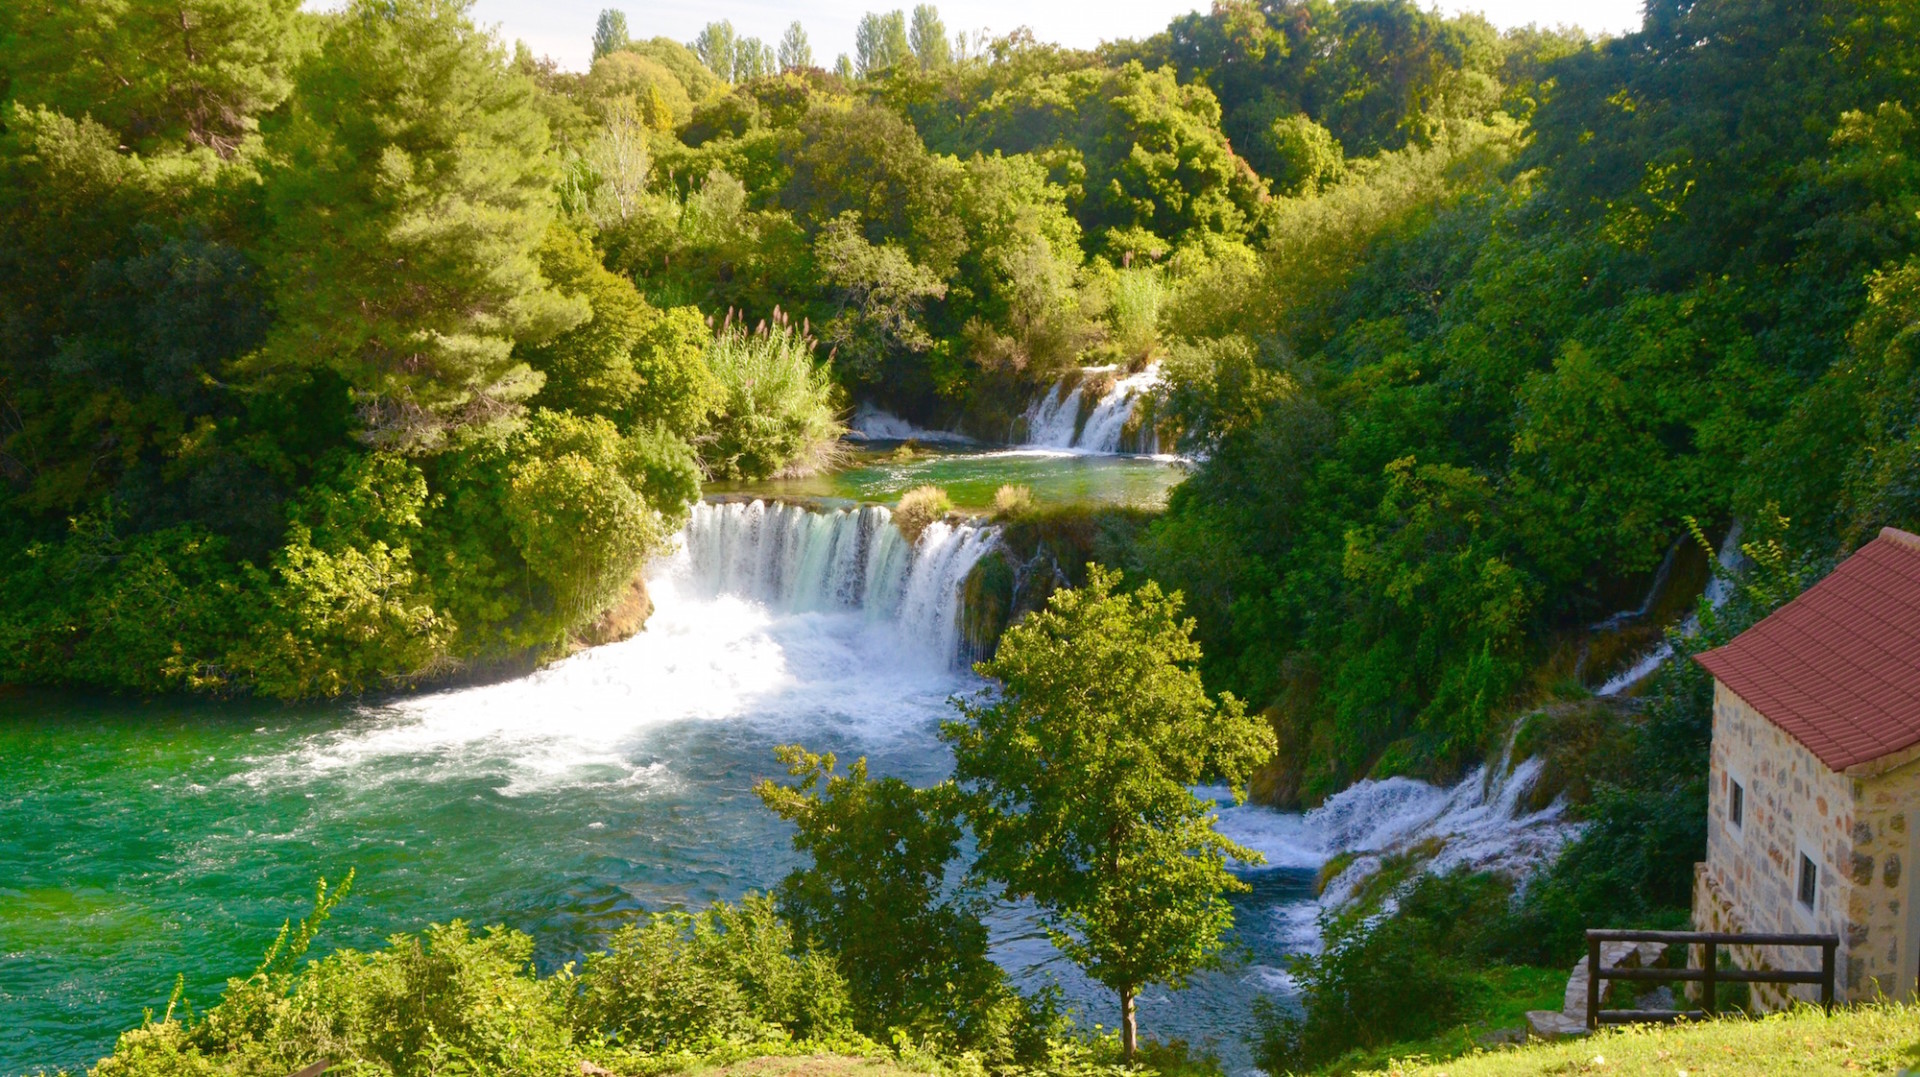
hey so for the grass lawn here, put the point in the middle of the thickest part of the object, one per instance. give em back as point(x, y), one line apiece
point(1862, 1040)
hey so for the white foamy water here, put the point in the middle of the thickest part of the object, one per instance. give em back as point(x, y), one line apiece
point(1719, 588)
point(872, 424)
point(791, 621)
point(1053, 421)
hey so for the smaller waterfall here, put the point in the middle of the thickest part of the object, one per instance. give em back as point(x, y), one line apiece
point(1484, 822)
point(1053, 422)
point(1719, 587)
point(794, 559)
point(871, 424)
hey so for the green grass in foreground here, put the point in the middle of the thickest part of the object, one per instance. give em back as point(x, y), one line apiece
point(1866, 1039)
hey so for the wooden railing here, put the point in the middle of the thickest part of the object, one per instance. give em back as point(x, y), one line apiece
point(1709, 976)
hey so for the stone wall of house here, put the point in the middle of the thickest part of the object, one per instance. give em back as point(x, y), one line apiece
point(1793, 805)
point(1881, 933)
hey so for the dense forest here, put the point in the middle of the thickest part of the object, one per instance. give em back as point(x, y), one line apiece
point(348, 351)
point(344, 351)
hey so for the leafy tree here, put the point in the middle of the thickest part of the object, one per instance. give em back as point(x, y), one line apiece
point(928, 38)
point(795, 53)
point(843, 67)
point(880, 298)
point(718, 47)
point(876, 894)
point(609, 32)
point(880, 43)
point(1079, 773)
point(410, 189)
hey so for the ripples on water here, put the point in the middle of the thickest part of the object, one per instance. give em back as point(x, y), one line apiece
point(143, 839)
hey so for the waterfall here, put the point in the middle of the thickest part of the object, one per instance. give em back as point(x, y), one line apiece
point(795, 559)
point(1483, 822)
point(1053, 419)
point(1053, 422)
point(1719, 587)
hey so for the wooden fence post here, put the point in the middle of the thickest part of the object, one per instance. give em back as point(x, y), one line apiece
point(1710, 977)
point(1593, 982)
point(1826, 974)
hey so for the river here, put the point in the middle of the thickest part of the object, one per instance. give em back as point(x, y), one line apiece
point(144, 839)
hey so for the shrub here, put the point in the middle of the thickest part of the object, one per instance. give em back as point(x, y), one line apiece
point(1382, 979)
point(918, 508)
point(777, 408)
point(729, 974)
point(1011, 502)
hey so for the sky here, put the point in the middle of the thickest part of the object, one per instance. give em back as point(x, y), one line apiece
point(563, 29)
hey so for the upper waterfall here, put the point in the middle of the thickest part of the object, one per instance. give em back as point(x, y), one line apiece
point(796, 559)
point(1054, 421)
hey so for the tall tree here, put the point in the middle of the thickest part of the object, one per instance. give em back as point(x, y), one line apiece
point(1079, 774)
point(880, 43)
point(156, 72)
point(716, 47)
point(752, 59)
point(928, 38)
point(609, 33)
point(795, 52)
point(410, 188)
point(843, 67)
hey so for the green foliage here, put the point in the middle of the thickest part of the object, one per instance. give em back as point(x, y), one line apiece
point(1078, 775)
point(777, 411)
point(691, 982)
point(162, 76)
point(410, 144)
point(1380, 980)
point(875, 898)
point(348, 608)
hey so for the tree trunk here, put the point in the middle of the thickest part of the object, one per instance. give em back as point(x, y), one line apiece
point(1127, 1035)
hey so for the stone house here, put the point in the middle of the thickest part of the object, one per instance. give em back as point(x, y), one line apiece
point(1814, 798)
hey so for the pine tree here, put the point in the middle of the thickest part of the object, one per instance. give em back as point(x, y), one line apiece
point(159, 73)
point(411, 185)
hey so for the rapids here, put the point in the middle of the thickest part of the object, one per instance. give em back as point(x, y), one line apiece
point(140, 840)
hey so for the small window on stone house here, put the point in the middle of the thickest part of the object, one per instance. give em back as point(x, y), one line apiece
point(1737, 805)
point(1809, 881)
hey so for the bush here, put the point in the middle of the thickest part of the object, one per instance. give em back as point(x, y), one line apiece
point(918, 508)
point(1383, 979)
point(728, 974)
point(1011, 502)
point(777, 412)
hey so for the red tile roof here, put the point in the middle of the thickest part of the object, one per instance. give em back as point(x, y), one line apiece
point(1839, 667)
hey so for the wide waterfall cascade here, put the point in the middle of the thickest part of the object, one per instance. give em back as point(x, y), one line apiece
point(1719, 588)
point(1053, 421)
point(795, 559)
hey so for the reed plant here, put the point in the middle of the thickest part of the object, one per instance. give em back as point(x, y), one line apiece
point(780, 412)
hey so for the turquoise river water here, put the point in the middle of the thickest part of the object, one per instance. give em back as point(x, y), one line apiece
point(144, 839)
